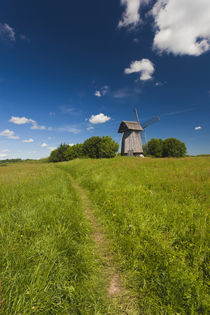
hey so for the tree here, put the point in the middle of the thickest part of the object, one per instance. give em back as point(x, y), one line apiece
point(96, 147)
point(74, 152)
point(173, 147)
point(108, 147)
point(58, 155)
point(155, 147)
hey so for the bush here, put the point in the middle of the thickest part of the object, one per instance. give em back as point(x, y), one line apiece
point(96, 147)
point(155, 147)
point(74, 152)
point(173, 147)
point(58, 155)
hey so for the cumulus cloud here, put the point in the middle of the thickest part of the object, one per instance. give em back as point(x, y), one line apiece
point(28, 140)
point(182, 26)
point(198, 128)
point(97, 93)
point(44, 145)
point(9, 134)
point(131, 16)
point(99, 119)
point(24, 120)
point(145, 67)
point(7, 32)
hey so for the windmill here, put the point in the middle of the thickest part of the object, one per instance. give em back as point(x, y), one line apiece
point(131, 143)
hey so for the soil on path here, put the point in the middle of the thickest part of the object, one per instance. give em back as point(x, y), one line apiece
point(123, 302)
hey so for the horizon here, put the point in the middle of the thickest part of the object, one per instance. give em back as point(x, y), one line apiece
point(70, 71)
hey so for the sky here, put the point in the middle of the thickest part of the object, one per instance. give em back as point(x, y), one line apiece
point(70, 70)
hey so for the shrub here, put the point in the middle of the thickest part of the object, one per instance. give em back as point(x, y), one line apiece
point(173, 147)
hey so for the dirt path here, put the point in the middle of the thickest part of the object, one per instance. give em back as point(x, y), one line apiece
point(115, 290)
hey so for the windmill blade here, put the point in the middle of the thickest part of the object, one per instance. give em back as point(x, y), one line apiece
point(136, 115)
point(143, 138)
point(150, 122)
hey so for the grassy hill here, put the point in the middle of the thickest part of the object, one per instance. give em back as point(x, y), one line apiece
point(153, 213)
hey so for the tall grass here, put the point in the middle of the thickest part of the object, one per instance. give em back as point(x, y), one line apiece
point(155, 213)
point(47, 264)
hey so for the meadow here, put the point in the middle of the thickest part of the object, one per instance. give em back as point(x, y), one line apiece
point(154, 213)
point(47, 264)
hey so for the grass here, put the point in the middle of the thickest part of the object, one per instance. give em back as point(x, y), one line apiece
point(155, 214)
point(47, 264)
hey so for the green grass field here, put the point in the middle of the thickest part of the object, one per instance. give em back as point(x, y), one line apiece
point(47, 264)
point(154, 213)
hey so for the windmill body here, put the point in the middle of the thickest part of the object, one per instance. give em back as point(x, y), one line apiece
point(131, 130)
point(131, 143)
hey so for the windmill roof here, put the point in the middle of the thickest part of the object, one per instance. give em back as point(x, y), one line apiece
point(129, 125)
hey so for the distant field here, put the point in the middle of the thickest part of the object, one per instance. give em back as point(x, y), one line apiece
point(153, 212)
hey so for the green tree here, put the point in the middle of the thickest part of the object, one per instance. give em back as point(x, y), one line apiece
point(58, 155)
point(155, 147)
point(173, 147)
point(74, 152)
point(96, 147)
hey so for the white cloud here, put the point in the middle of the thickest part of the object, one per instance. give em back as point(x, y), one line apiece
point(71, 144)
point(7, 32)
point(182, 26)
point(9, 134)
point(131, 16)
point(51, 148)
point(97, 93)
point(70, 129)
point(24, 120)
point(3, 155)
point(44, 145)
point(99, 119)
point(28, 140)
point(126, 92)
point(101, 92)
point(159, 83)
point(198, 128)
point(145, 67)
point(90, 128)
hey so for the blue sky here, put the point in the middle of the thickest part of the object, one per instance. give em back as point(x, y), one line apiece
point(70, 70)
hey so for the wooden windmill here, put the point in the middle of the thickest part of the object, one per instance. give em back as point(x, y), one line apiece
point(131, 130)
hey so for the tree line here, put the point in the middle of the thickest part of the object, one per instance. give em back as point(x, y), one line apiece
point(106, 147)
point(94, 147)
